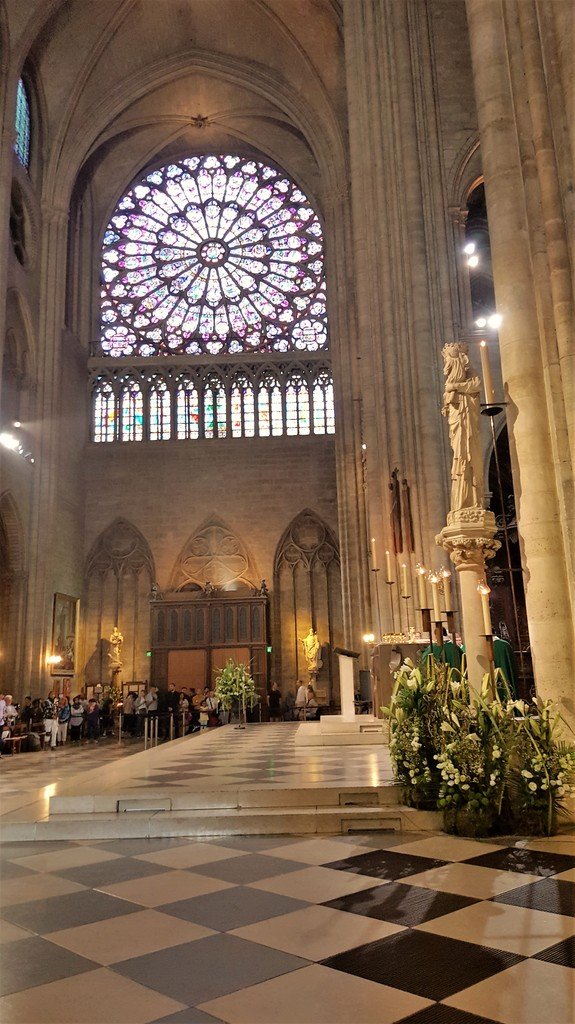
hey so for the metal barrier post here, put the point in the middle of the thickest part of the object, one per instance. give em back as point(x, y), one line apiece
point(145, 732)
point(156, 720)
point(120, 720)
point(171, 725)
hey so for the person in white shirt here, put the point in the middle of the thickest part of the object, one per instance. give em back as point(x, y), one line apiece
point(300, 699)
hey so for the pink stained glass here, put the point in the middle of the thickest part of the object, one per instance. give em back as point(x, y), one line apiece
point(187, 411)
point(159, 413)
point(131, 412)
point(209, 254)
point(104, 413)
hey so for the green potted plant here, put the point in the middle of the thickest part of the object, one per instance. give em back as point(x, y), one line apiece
point(235, 688)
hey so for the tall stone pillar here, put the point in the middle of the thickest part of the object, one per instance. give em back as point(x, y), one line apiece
point(532, 338)
point(469, 537)
point(399, 260)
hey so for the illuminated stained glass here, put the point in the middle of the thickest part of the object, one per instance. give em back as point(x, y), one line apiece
point(159, 417)
point(22, 126)
point(297, 405)
point(214, 408)
point(270, 413)
point(323, 409)
point(187, 410)
point(131, 412)
point(104, 413)
point(242, 407)
point(214, 254)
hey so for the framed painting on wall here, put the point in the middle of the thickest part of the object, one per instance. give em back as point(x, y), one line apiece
point(64, 625)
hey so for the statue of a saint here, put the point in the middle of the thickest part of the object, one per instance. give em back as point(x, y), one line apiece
point(461, 407)
point(312, 650)
point(114, 654)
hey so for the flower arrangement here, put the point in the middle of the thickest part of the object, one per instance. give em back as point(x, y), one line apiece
point(489, 763)
point(234, 684)
point(544, 769)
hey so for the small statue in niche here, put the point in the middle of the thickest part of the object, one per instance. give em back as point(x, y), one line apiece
point(461, 408)
point(209, 588)
point(155, 592)
point(263, 589)
point(115, 652)
point(312, 651)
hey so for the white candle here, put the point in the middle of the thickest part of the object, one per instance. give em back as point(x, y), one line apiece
point(389, 576)
point(447, 594)
point(484, 591)
point(487, 378)
point(436, 605)
point(421, 589)
point(373, 554)
point(404, 580)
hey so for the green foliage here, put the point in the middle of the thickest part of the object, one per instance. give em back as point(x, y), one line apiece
point(235, 684)
point(477, 759)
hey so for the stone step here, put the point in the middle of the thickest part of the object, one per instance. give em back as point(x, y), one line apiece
point(153, 823)
point(278, 797)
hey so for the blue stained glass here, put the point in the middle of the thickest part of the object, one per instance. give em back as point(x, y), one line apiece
point(225, 234)
point(22, 125)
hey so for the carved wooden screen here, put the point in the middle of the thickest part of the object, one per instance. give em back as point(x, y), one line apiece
point(224, 625)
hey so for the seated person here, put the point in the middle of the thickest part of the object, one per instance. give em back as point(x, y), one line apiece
point(311, 705)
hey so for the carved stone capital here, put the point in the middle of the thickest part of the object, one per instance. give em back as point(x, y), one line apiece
point(469, 538)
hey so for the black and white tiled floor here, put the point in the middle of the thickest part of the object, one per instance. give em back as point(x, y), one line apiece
point(274, 930)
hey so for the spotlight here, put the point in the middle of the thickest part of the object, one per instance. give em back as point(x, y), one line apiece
point(9, 441)
point(469, 248)
point(368, 638)
point(16, 424)
point(495, 321)
point(473, 261)
point(481, 322)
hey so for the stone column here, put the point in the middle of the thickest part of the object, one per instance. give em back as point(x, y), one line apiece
point(530, 354)
point(399, 261)
point(469, 537)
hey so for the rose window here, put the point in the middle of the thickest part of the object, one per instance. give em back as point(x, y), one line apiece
point(214, 254)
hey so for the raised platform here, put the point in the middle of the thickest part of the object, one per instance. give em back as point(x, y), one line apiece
point(256, 781)
point(337, 731)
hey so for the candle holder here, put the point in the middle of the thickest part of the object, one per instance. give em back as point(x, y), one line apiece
point(488, 637)
point(391, 583)
point(492, 408)
point(451, 626)
point(406, 598)
point(377, 601)
point(426, 623)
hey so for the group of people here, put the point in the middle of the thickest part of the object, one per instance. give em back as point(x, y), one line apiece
point(50, 722)
point(185, 707)
point(303, 707)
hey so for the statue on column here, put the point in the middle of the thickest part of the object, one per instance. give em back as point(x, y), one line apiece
point(312, 651)
point(115, 652)
point(461, 407)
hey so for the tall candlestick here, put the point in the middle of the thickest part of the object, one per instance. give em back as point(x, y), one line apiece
point(435, 592)
point(421, 588)
point(485, 592)
point(373, 554)
point(389, 574)
point(448, 600)
point(404, 580)
point(486, 371)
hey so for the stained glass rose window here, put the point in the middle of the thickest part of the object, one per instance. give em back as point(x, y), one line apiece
point(214, 254)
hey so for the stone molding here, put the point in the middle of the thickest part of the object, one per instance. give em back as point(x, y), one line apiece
point(469, 538)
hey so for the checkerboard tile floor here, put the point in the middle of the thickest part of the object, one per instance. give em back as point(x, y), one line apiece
point(358, 929)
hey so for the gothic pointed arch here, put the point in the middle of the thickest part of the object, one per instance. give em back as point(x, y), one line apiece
point(217, 554)
point(307, 594)
point(119, 574)
point(120, 549)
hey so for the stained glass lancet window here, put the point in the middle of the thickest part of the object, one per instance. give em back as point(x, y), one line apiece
point(131, 412)
point(214, 408)
point(242, 407)
point(270, 413)
point(213, 254)
point(104, 412)
point(297, 405)
point(22, 125)
point(187, 410)
point(159, 422)
point(323, 411)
